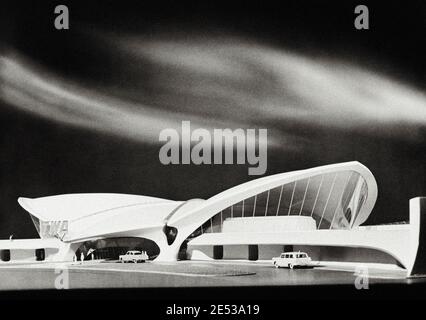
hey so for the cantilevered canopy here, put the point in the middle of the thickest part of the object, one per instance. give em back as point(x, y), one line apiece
point(74, 206)
point(337, 196)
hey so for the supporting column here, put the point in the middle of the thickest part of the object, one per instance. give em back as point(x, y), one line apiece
point(418, 222)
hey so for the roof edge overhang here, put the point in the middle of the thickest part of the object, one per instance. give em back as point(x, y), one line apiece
point(248, 189)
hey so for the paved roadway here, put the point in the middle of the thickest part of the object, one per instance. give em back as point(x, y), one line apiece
point(184, 274)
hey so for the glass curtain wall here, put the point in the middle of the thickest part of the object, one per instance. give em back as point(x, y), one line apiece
point(333, 200)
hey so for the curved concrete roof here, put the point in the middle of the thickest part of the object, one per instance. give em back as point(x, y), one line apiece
point(123, 220)
point(78, 205)
point(195, 217)
point(105, 213)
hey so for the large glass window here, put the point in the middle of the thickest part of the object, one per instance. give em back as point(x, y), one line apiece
point(333, 200)
point(53, 229)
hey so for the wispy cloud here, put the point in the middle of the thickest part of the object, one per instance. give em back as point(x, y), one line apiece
point(271, 85)
point(218, 83)
point(33, 89)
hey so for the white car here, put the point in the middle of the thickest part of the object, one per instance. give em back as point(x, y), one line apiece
point(133, 256)
point(291, 260)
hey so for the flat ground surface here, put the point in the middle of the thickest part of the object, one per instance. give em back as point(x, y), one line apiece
point(96, 274)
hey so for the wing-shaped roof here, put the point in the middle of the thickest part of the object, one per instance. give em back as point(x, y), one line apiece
point(196, 216)
point(75, 206)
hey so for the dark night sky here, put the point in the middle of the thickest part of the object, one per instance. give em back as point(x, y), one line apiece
point(100, 56)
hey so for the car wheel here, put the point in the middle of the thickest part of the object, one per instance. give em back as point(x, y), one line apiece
point(291, 266)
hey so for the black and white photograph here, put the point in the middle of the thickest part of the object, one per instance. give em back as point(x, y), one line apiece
point(167, 149)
